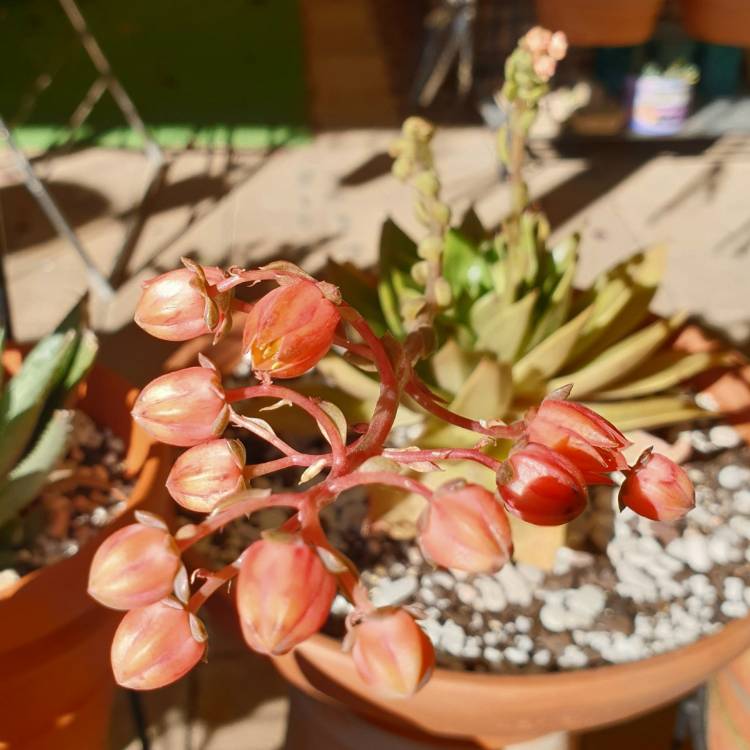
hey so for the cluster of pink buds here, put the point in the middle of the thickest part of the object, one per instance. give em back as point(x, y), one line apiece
point(547, 49)
point(286, 582)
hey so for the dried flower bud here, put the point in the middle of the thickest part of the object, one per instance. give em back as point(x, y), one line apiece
point(586, 439)
point(430, 248)
point(537, 40)
point(541, 486)
point(558, 46)
point(392, 654)
point(544, 67)
point(465, 527)
point(156, 645)
point(443, 293)
point(427, 183)
point(175, 307)
point(207, 473)
point(284, 594)
point(657, 488)
point(133, 567)
point(418, 128)
point(183, 408)
point(290, 330)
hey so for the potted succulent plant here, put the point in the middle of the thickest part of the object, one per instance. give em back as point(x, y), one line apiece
point(485, 334)
point(72, 469)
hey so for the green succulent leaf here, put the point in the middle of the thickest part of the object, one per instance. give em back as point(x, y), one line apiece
point(649, 413)
point(398, 253)
point(30, 475)
point(451, 365)
point(620, 359)
point(546, 359)
point(464, 266)
point(662, 372)
point(26, 394)
point(501, 329)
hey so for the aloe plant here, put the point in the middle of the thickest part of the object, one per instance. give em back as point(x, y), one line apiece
point(511, 326)
point(35, 418)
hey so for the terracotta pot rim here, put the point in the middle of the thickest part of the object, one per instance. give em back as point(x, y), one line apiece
point(333, 646)
point(156, 452)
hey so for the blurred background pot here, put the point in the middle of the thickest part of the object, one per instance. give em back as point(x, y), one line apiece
point(717, 21)
point(592, 23)
point(659, 104)
point(54, 639)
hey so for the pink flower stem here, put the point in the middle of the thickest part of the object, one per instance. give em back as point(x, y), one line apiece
point(215, 579)
point(241, 507)
point(428, 401)
point(327, 425)
point(443, 454)
point(360, 350)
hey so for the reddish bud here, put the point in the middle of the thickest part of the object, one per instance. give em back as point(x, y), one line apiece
point(183, 408)
point(465, 527)
point(558, 46)
point(284, 594)
point(290, 330)
point(586, 439)
point(541, 486)
point(392, 654)
point(207, 473)
point(177, 306)
point(657, 488)
point(133, 567)
point(156, 645)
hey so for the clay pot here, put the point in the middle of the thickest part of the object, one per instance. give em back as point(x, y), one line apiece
point(593, 23)
point(490, 711)
point(57, 688)
point(717, 21)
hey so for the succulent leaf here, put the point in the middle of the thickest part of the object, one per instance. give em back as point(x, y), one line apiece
point(649, 413)
point(501, 329)
point(29, 476)
point(452, 365)
point(464, 266)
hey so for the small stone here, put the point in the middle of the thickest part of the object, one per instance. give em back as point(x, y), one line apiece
point(516, 587)
point(471, 650)
point(572, 657)
point(742, 501)
point(389, 592)
point(523, 642)
point(492, 638)
point(492, 655)
point(523, 624)
point(452, 638)
point(516, 655)
point(444, 579)
point(427, 596)
point(8, 577)
point(696, 553)
point(554, 617)
point(466, 593)
point(724, 436)
point(492, 594)
point(587, 602)
point(734, 588)
point(542, 658)
point(734, 609)
point(734, 477)
point(741, 525)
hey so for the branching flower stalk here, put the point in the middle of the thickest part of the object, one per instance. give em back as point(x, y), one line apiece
point(286, 581)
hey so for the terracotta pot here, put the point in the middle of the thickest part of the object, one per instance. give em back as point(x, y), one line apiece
point(594, 23)
point(717, 21)
point(57, 687)
point(490, 711)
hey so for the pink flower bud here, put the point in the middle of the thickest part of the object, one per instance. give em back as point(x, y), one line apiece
point(133, 567)
point(586, 439)
point(392, 654)
point(207, 473)
point(657, 488)
point(183, 408)
point(176, 306)
point(541, 486)
point(537, 39)
point(156, 645)
point(558, 46)
point(465, 527)
point(284, 594)
point(544, 67)
point(290, 330)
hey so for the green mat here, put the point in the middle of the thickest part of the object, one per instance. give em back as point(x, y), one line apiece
point(200, 72)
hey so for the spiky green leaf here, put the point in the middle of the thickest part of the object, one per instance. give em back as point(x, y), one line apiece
point(501, 329)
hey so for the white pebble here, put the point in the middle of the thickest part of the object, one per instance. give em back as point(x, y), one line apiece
point(341, 606)
point(734, 609)
point(554, 617)
point(734, 588)
point(471, 651)
point(493, 655)
point(465, 592)
point(724, 436)
point(492, 594)
point(516, 655)
point(741, 525)
point(542, 657)
point(523, 642)
point(523, 624)
point(572, 657)
point(452, 638)
point(389, 592)
point(517, 588)
point(733, 477)
point(587, 601)
point(427, 596)
point(742, 501)
point(444, 579)
point(696, 553)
